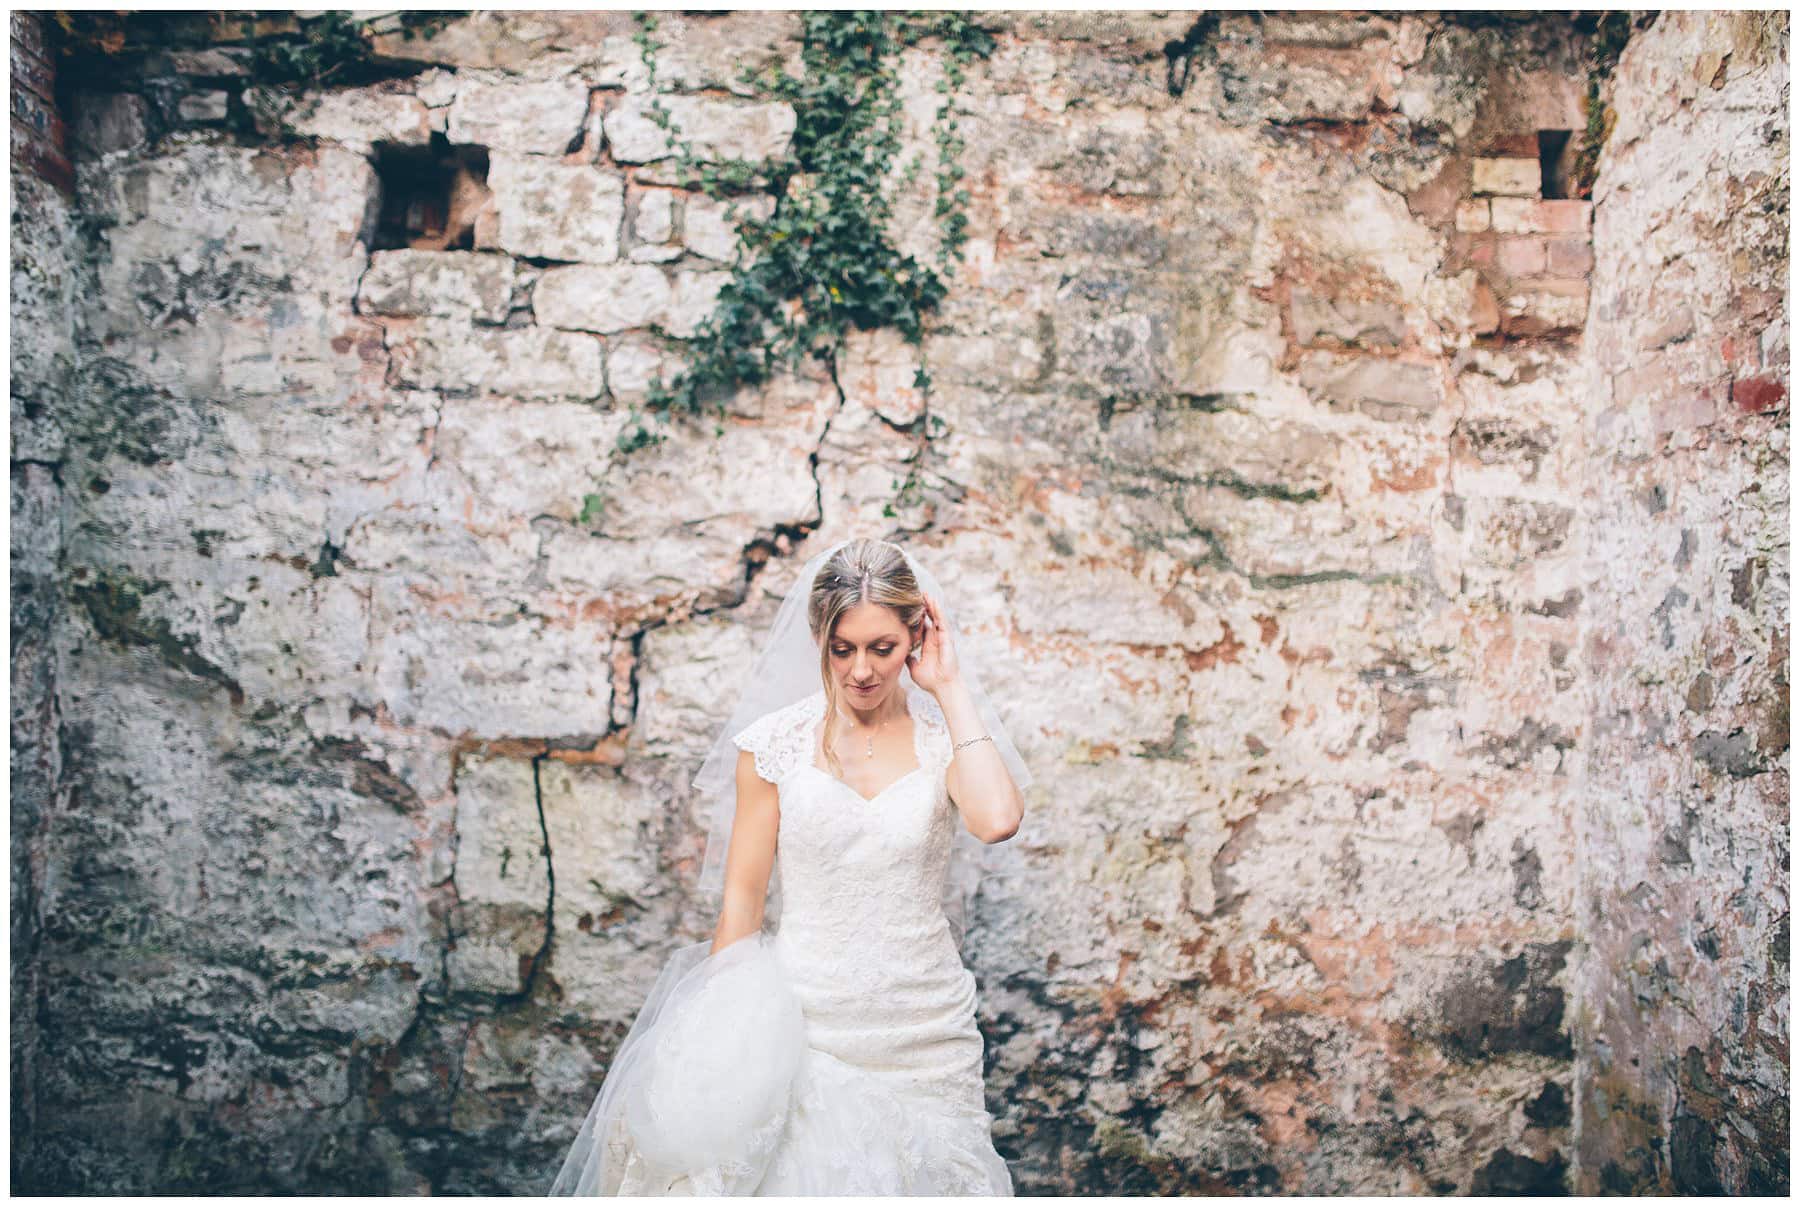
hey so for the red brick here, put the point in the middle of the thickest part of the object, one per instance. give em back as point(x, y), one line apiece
point(1476, 250)
point(1485, 317)
point(1522, 257)
point(1518, 146)
point(1523, 215)
point(38, 140)
point(28, 32)
point(1754, 395)
point(1571, 257)
point(1561, 215)
point(34, 75)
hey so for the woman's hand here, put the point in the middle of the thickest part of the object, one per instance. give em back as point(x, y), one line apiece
point(933, 661)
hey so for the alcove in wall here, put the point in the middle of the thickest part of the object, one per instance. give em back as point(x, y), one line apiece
point(429, 196)
point(1556, 158)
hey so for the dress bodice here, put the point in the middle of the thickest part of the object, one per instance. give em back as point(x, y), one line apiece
point(854, 869)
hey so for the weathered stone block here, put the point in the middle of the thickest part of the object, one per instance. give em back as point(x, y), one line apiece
point(1758, 395)
point(1008, 357)
point(635, 360)
point(877, 370)
point(748, 474)
point(605, 298)
point(527, 362)
point(1476, 250)
point(1507, 177)
point(1275, 83)
point(203, 108)
point(361, 117)
point(521, 117)
point(603, 830)
point(1124, 348)
point(604, 842)
point(654, 219)
point(436, 89)
point(211, 61)
point(1508, 533)
point(554, 210)
point(487, 672)
point(409, 283)
point(522, 460)
point(502, 875)
point(1381, 387)
point(500, 856)
point(1547, 306)
point(711, 129)
point(1473, 215)
point(1350, 321)
point(710, 229)
point(696, 297)
point(272, 541)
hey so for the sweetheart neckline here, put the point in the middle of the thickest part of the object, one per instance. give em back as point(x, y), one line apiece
point(867, 800)
point(919, 756)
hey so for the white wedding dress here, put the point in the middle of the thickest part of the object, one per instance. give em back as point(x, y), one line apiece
point(838, 1055)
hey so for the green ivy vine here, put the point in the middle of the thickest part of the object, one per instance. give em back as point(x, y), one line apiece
point(822, 262)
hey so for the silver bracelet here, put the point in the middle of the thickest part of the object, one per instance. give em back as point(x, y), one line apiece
point(983, 738)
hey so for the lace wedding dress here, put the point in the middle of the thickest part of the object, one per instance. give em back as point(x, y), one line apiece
point(838, 1055)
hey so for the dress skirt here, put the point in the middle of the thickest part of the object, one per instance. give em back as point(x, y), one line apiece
point(739, 1077)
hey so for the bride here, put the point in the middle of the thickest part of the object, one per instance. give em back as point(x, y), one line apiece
point(824, 1040)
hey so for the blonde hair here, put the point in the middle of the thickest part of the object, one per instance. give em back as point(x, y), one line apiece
point(863, 571)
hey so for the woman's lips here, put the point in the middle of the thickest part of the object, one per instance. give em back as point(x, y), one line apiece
point(870, 688)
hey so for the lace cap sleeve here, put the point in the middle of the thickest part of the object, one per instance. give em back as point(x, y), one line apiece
point(935, 731)
point(778, 740)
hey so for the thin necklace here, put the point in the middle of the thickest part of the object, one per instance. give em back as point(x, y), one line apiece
point(872, 729)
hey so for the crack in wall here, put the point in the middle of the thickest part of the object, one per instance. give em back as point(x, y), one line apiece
point(538, 957)
point(1218, 558)
point(1243, 487)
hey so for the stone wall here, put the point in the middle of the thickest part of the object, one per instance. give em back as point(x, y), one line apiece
point(48, 278)
point(1683, 993)
point(1275, 450)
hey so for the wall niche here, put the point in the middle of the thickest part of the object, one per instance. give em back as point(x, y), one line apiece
point(432, 198)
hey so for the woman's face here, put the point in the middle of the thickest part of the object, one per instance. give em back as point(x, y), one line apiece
point(869, 647)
